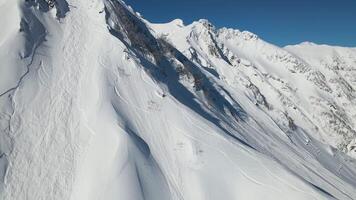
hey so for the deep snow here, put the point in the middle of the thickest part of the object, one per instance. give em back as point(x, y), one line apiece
point(98, 103)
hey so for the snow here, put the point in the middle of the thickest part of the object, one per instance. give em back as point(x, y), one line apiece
point(106, 105)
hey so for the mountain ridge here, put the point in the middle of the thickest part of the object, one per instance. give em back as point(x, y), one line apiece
point(113, 106)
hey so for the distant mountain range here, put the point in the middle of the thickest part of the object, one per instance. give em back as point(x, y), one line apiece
point(97, 103)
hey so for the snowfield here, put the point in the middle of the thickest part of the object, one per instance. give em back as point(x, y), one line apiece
point(97, 103)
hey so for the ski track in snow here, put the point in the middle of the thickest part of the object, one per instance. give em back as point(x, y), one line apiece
point(191, 121)
point(88, 120)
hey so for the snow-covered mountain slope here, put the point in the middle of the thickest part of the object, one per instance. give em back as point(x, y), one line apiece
point(98, 103)
point(310, 84)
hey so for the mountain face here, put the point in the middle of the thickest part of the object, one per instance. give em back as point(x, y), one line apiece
point(98, 103)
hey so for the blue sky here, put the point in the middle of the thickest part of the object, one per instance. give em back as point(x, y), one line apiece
point(280, 22)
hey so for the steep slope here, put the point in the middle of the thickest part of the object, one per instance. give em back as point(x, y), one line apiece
point(315, 90)
point(97, 103)
point(337, 66)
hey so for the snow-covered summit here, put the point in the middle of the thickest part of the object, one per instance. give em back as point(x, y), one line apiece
point(178, 22)
point(98, 103)
point(308, 74)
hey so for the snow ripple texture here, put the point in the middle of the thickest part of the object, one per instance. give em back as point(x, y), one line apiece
point(98, 103)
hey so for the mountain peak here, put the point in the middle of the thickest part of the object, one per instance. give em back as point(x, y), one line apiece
point(206, 23)
point(98, 103)
point(178, 22)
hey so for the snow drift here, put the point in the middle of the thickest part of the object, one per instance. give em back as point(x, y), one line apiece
point(98, 103)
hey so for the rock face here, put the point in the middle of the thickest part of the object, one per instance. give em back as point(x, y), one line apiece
point(311, 83)
point(98, 103)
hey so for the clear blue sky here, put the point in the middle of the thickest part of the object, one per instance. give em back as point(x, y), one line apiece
point(280, 22)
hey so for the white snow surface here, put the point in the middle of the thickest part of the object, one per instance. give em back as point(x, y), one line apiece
point(97, 103)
